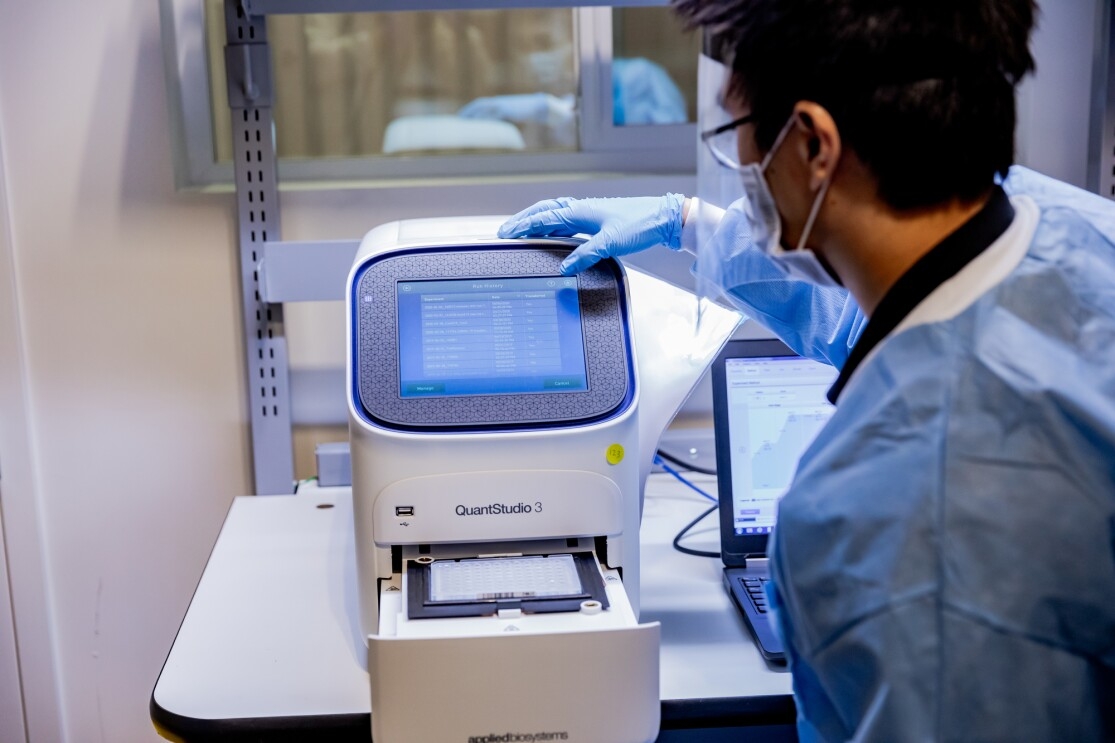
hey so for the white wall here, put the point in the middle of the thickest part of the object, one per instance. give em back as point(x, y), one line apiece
point(1054, 106)
point(11, 693)
point(12, 727)
point(19, 521)
point(123, 433)
point(135, 425)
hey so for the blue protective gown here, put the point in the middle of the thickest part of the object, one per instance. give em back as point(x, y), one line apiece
point(644, 93)
point(944, 562)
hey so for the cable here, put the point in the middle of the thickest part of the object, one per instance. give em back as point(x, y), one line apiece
point(687, 527)
point(686, 465)
point(678, 476)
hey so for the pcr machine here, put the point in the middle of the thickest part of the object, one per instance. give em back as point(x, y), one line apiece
point(503, 419)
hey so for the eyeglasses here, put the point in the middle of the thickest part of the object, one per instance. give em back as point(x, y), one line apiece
point(722, 142)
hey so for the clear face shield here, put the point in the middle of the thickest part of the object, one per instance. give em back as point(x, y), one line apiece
point(718, 186)
point(739, 228)
point(691, 334)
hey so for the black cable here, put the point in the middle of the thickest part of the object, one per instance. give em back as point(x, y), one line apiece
point(682, 463)
point(686, 528)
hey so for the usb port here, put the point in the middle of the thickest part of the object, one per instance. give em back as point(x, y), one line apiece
point(404, 510)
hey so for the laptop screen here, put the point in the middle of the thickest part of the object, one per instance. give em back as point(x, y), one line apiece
point(770, 406)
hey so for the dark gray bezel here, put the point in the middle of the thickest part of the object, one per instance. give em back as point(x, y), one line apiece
point(735, 548)
point(375, 339)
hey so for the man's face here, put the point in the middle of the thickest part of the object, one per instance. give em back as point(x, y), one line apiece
point(783, 174)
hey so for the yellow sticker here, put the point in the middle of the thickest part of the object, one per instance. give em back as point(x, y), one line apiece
point(614, 455)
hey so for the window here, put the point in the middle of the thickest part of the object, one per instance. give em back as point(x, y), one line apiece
point(656, 35)
point(445, 94)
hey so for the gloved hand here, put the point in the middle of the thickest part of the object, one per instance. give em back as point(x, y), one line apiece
point(618, 226)
point(541, 108)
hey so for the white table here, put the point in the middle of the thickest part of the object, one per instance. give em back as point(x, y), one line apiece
point(271, 649)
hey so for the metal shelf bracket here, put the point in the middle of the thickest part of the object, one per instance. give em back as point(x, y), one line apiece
point(257, 205)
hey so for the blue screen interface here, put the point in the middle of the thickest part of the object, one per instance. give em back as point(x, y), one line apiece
point(490, 337)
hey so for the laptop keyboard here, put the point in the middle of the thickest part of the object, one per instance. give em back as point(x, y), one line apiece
point(756, 612)
point(757, 592)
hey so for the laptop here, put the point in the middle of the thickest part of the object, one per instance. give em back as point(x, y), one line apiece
point(768, 406)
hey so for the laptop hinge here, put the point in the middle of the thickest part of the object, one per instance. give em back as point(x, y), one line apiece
point(754, 556)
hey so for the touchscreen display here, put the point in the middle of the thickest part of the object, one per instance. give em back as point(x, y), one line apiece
point(490, 336)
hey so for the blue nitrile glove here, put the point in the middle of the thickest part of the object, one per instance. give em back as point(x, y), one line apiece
point(618, 226)
point(542, 108)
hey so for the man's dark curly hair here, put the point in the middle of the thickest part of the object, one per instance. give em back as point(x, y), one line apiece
point(921, 90)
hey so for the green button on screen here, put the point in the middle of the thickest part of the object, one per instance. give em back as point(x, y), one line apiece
point(433, 388)
point(563, 383)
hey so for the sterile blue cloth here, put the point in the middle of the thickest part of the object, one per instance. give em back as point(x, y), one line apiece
point(644, 93)
point(955, 520)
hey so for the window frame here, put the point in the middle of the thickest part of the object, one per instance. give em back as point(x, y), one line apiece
point(605, 149)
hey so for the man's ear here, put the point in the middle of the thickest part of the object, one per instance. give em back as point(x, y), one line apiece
point(821, 143)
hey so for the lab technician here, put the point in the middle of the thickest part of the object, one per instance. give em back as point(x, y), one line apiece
point(944, 564)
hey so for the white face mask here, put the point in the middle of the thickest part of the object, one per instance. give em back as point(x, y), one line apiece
point(766, 224)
